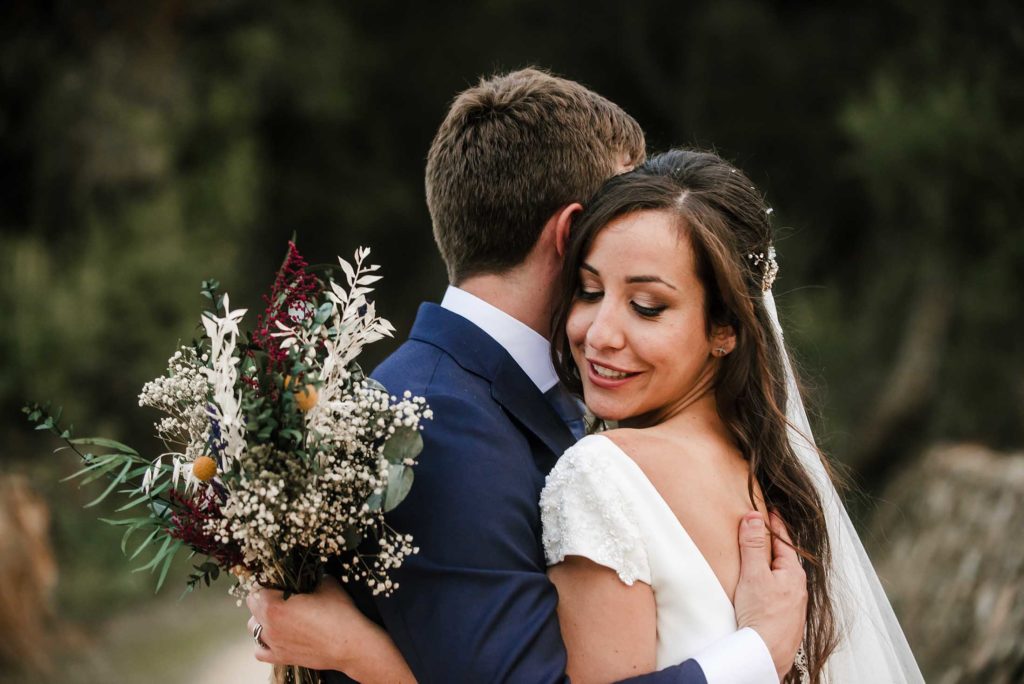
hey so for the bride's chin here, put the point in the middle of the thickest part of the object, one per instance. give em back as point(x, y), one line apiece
point(609, 410)
point(609, 414)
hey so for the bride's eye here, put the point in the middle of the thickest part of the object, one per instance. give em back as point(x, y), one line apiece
point(589, 295)
point(648, 311)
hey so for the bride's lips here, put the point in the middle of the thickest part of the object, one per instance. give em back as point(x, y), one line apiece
point(605, 382)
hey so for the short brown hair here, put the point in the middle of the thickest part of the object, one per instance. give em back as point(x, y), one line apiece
point(511, 151)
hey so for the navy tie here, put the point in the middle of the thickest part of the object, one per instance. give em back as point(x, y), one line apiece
point(569, 409)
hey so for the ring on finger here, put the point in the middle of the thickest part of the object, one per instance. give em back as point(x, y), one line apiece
point(256, 633)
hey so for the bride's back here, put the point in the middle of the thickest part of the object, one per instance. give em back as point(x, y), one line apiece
point(703, 478)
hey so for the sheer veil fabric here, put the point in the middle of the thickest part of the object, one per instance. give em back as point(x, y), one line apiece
point(872, 645)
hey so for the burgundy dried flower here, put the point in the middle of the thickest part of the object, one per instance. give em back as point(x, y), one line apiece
point(188, 523)
point(290, 300)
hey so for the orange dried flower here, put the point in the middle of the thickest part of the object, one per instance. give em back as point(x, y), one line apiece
point(306, 398)
point(204, 468)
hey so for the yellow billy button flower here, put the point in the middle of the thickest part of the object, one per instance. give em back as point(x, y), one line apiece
point(204, 468)
point(306, 398)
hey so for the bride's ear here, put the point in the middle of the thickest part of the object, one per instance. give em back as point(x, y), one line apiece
point(723, 340)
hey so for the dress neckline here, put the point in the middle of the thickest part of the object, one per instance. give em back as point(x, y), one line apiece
point(669, 513)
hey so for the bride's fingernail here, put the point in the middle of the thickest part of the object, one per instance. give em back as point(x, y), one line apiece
point(755, 523)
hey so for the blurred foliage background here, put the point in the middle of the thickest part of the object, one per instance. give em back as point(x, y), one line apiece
point(147, 146)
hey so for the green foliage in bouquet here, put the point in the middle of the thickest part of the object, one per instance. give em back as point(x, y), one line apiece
point(281, 454)
point(120, 465)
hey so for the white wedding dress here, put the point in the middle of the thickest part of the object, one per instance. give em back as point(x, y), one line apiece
point(599, 504)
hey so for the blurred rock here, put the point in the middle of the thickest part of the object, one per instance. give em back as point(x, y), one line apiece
point(946, 541)
point(28, 575)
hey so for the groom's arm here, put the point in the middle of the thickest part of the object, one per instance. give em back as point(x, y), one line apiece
point(476, 604)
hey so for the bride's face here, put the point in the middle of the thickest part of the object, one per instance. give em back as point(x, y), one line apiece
point(637, 326)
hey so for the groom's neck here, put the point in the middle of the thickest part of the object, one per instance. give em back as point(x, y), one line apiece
point(521, 293)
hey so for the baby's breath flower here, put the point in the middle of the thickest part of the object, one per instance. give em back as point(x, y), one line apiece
point(318, 481)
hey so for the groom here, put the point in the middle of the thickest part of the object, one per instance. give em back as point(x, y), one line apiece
point(505, 175)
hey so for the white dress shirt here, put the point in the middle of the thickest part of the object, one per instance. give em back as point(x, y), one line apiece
point(741, 657)
point(526, 346)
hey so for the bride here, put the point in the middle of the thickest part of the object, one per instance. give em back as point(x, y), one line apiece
point(668, 329)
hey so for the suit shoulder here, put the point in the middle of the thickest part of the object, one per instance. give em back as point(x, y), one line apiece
point(410, 367)
point(430, 372)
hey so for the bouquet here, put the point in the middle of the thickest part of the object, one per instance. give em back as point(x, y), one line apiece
point(282, 456)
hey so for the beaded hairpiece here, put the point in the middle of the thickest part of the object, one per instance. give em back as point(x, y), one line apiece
point(765, 262)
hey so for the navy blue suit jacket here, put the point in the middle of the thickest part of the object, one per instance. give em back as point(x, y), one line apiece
point(475, 605)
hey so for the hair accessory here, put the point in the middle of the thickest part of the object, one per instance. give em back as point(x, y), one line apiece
point(769, 267)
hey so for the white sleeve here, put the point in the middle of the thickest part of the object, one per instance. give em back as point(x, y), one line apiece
point(584, 513)
point(740, 658)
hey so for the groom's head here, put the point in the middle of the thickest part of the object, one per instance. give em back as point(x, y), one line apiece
point(513, 151)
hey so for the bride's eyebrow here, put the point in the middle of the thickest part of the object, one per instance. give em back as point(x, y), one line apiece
point(632, 279)
point(650, 279)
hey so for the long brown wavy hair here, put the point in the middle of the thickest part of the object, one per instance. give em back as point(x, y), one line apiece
point(725, 219)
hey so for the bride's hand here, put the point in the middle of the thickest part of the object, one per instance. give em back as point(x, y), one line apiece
point(771, 596)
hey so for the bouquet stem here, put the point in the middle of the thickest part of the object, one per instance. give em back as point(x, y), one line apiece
point(293, 674)
point(304, 583)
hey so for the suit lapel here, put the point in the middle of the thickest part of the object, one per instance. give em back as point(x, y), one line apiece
point(478, 353)
point(519, 396)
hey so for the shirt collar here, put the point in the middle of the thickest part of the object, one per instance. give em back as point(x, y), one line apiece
point(528, 348)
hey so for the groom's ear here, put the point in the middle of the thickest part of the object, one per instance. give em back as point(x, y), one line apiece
point(563, 225)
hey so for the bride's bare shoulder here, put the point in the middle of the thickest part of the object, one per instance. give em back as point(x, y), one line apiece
point(625, 438)
point(663, 455)
point(641, 445)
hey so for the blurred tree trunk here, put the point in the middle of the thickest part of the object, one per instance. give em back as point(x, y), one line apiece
point(894, 428)
point(945, 542)
point(28, 576)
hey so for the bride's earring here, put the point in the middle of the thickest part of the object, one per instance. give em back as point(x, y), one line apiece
point(720, 351)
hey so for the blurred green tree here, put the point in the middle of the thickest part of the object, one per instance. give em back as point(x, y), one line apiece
point(146, 146)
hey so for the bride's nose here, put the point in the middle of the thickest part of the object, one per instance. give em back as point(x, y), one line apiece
point(606, 329)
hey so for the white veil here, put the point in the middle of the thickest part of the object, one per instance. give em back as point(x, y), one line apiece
point(872, 646)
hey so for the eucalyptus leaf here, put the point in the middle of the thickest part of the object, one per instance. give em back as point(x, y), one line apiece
point(293, 434)
point(159, 508)
point(373, 384)
point(399, 483)
point(405, 443)
point(324, 312)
